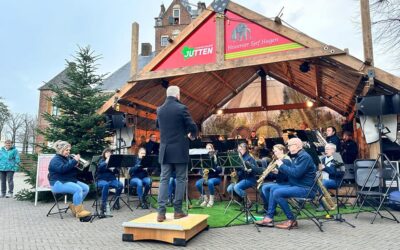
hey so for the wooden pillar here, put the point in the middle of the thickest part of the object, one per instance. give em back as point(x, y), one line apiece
point(134, 49)
point(264, 101)
point(220, 38)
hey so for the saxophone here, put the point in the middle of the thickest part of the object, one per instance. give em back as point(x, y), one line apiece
point(205, 175)
point(234, 176)
point(326, 199)
point(268, 170)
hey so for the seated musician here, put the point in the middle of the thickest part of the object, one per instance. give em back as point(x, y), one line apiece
point(280, 153)
point(140, 178)
point(246, 175)
point(63, 173)
point(106, 179)
point(328, 166)
point(212, 177)
point(301, 175)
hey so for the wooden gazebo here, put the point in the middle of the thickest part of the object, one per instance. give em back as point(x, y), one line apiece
point(220, 53)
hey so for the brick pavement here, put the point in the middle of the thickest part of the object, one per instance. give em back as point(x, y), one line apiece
point(24, 226)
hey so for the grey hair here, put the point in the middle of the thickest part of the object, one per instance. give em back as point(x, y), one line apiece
point(330, 145)
point(173, 91)
point(60, 146)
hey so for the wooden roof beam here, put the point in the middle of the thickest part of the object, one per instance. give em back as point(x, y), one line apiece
point(108, 104)
point(318, 83)
point(224, 82)
point(137, 112)
point(141, 102)
point(268, 108)
point(244, 62)
point(192, 96)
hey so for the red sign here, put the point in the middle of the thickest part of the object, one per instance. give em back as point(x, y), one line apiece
point(245, 38)
point(198, 48)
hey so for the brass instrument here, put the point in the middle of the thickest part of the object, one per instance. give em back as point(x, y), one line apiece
point(326, 199)
point(206, 171)
point(269, 169)
point(82, 163)
point(234, 176)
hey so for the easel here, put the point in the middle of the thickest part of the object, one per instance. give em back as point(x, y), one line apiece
point(119, 162)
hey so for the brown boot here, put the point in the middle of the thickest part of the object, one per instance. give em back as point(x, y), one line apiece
point(81, 212)
point(179, 215)
point(72, 208)
point(161, 217)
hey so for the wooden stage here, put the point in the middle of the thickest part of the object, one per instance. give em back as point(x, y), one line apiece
point(177, 232)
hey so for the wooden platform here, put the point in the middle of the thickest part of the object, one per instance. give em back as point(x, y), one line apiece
point(177, 232)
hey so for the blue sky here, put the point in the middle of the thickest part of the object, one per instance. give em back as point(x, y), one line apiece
point(37, 36)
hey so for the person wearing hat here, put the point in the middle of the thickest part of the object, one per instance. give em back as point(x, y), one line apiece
point(63, 177)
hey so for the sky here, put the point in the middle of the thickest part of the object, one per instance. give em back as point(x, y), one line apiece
point(36, 37)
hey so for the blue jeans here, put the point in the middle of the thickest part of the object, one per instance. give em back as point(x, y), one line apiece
point(171, 187)
point(140, 183)
point(241, 186)
point(105, 186)
point(265, 190)
point(210, 183)
point(279, 195)
point(330, 183)
point(78, 189)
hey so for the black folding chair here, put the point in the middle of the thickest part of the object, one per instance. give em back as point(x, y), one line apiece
point(299, 204)
point(57, 197)
point(373, 192)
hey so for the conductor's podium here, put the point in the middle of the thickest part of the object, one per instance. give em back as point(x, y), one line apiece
point(177, 232)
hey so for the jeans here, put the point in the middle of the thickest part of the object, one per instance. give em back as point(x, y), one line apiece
point(78, 189)
point(265, 191)
point(330, 183)
point(181, 179)
point(9, 177)
point(279, 195)
point(210, 183)
point(105, 186)
point(241, 186)
point(171, 187)
point(140, 183)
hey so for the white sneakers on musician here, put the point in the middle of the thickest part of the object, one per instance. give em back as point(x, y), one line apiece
point(205, 201)
point(211, 202)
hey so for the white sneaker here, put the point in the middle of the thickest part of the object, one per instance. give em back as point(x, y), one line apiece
point(205, 201)
point(9, 195)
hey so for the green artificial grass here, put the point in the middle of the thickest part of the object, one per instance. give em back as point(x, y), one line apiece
point(219, 219)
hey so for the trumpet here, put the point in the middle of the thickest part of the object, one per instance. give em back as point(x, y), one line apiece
point(82, 163)
point(269, 169)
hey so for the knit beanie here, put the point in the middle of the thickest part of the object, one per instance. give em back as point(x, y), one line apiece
point(60, 146)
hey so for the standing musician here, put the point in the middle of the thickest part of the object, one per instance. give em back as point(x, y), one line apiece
point(301, 175)
point(63, 171)
point(246, 175)
point(140, 178)
point(106, 179)
point(280, 153)
point(211, 177)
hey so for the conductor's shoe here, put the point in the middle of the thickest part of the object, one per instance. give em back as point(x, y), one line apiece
point(161, 217)
point(179, 215)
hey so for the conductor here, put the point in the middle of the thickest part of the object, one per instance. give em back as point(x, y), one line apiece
point(175, 125)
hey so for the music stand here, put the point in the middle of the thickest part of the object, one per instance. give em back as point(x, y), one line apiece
point(119, 162)
point(153, 168)
point(200, 162)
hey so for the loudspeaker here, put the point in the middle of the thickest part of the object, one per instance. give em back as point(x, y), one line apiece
point(378, 105)
point(116, 121)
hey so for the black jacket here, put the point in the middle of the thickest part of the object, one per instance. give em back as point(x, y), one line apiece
point(174, 123)
point(152, 148)
point(301, 171)
point(104, 173)
point(137, 171)
point(335, 140)
point(349, 151)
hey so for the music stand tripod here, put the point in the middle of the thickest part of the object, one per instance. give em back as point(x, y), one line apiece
point(119, 162)
point(338, 216)
point(200, 162)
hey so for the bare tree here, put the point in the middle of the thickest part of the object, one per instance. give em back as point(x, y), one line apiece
point(385, 15)
point(4, 115)
point(14, 123)
point(27, 132)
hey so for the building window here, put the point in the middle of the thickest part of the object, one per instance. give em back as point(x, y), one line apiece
point(164, 41)
point(176, 14)
point(158, 22)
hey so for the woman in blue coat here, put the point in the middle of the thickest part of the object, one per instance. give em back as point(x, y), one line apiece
point(9, 161)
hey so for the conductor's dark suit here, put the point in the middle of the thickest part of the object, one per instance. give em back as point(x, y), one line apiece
point(174, 123)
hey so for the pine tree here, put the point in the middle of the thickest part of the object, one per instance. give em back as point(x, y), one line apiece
point(78, 99)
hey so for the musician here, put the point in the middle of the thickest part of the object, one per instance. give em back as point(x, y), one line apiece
point(253, 139)
point(140, 178)
point(152, 146)
point(301, 175)
point(213, 178)
point(106, 179)
point(280, 153)
point(246, 174)
point(331, 137)
point(63, 177)
point(328, 166)
point(349, 148)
